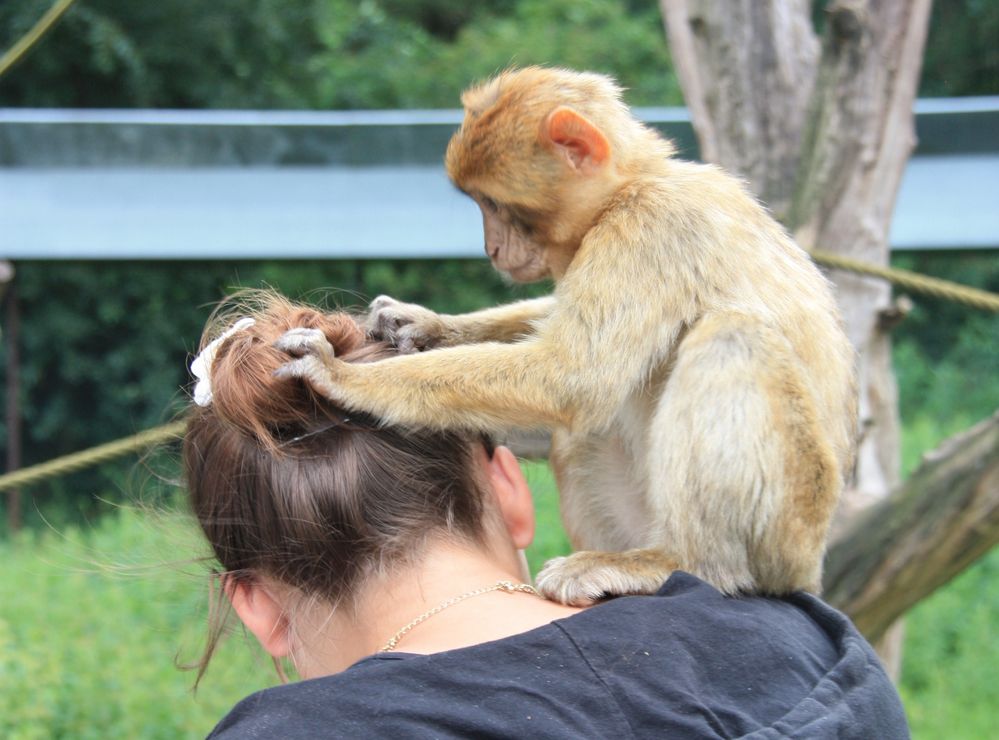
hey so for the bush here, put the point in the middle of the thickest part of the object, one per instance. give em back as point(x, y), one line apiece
point(323, 53)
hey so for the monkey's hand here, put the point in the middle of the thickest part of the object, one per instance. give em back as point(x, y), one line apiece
point(411, 328)
point(586, 577)
point(315, 362)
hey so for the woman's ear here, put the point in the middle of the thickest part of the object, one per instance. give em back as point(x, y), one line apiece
point(513, 496)
point(261, 614)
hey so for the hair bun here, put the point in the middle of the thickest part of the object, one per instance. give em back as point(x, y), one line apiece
point(245, 392)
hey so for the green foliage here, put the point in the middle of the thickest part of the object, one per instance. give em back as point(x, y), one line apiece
point(945, 359)
point(322, 53)
point(945, 354)
point(384, 53)
point(949, 666)
point(962, 56)
point(592, 34)
point(174, 53)
point(550, 540)
point(90, 626)
point(97, 64)
point(601, 35)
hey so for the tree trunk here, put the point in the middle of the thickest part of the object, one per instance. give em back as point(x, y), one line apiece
point(824, 139)
point(747, 68)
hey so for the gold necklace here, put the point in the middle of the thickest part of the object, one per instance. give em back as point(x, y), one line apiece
point(508, 586)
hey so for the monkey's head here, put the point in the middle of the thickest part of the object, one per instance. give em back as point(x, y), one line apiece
point(541, 151)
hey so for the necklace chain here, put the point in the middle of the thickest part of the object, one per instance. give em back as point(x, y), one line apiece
point(507, 586)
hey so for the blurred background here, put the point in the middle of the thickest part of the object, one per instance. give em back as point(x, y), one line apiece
point(298, 145)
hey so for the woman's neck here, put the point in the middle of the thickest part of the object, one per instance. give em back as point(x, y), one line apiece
point(390, 603)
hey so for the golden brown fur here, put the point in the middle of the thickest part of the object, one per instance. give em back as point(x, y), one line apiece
point(690, 361)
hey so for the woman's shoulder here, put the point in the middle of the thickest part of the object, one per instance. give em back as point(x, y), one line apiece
point(687, 659)
point(690, 611)
point(530, 685)
point(739, 665)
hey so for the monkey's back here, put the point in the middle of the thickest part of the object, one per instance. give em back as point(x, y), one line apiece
point(741, 432)
point(746, 264)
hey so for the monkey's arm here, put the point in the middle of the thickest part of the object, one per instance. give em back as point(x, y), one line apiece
point(486, 386)
point(579, 368)
point(411, 327)
point(502, 323)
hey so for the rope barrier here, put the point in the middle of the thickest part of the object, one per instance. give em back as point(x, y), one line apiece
point(24, 44)
point(981, 299)
point(93, 456)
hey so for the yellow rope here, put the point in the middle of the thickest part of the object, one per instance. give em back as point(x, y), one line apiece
point(19, 49)
point(93, 456)
point(913, 281)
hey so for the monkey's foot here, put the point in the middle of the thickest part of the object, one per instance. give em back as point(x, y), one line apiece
point(585, 577)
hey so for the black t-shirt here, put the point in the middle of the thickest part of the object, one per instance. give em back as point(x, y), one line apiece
point(685, 663)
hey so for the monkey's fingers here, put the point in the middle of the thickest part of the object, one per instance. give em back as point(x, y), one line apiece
point(407, 326)
point(385, 316)
point(303, 342)
point(412, 338)
point(315, 373)
point(295, 369)
point(586, 577)
point(381, 302)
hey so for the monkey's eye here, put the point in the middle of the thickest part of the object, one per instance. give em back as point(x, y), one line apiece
point(523, 219)
point(523, 227)
point(489, 204)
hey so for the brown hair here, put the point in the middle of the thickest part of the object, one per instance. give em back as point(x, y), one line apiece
point(287, 485)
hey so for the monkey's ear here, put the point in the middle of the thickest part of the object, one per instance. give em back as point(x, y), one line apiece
point(577, 139)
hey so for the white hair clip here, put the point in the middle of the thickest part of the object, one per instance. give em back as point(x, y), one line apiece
point(201, 367)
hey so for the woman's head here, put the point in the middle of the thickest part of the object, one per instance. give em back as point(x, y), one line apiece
point(290, 488)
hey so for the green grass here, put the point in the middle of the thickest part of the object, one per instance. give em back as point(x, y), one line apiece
point(91, 622)
point(950, 664)
point(950, 668)
point(90, 627)
point(550, 540)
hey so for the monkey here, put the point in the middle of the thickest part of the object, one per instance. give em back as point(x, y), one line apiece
point(690, 360)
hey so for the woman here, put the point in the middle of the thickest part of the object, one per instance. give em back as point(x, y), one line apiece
point(387, 566)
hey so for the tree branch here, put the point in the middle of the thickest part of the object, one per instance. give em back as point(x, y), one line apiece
point(943, 518)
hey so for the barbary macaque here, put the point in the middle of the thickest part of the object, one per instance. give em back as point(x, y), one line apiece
point(690, 362)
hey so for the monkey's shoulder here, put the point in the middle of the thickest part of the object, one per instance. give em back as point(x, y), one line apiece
point(690, 192)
